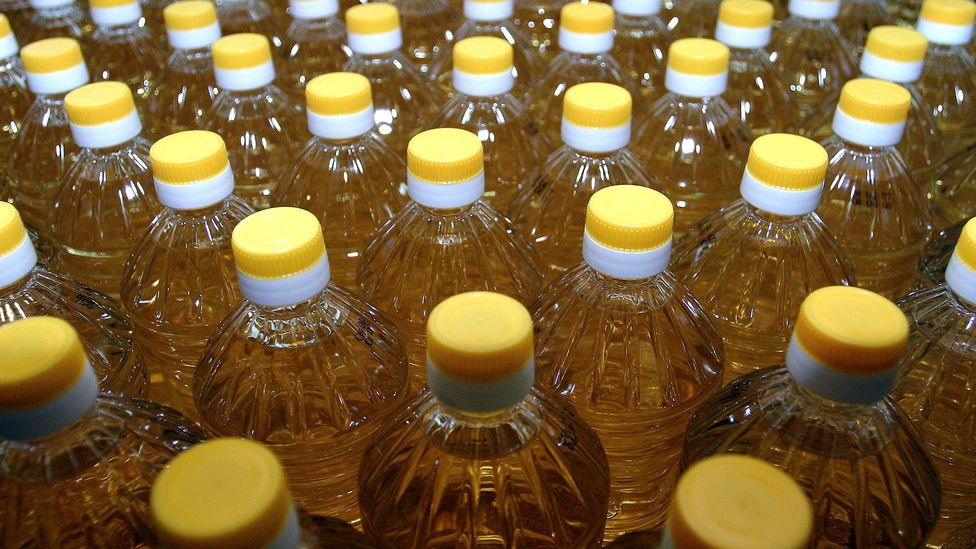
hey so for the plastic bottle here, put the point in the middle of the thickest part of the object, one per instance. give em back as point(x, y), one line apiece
point(538, 21)
point(346, 175)
point(56, 18)
point(313, 44)
point(483, 104)
point(17, 11)
point(870, 203)
point(446, 240)
point(122, 50)
point(427, 27)
point(249, 16)
point(76, 465)
point(936, 255)
point(14, 101)
point(28, 289)
point(952, 189)
point(179, 282)
point(262, 127)
point(550, 209)
point(827, 420)
point(693, 18)
point(641, 43)
point(962, 538)
point(107, 200)
point(753, 262)
point(482, 457)
point(630, 347)
point(858, 17)
point(692, 140)
point(300, 364)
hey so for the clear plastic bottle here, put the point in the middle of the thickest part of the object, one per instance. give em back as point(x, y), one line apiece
point(17, 11)
point(550, 209)
point(402, 97)
point(514, 145)
point(585, 40)
point(755, 91)
point(630, 347)
point(346, 175)
point(107, 199)
point(827, 420)
point(858, 17)
point(186, 88)
point(962, 538)
point(952, 192)
point(446, 240)
point(936, 255)
point(76, 465)
point(482, 458)
point(249, 16)
point(428, 27)
point(641, 43)
point(56, 18)
point(301, 364)
point(43, 149)
point(753, 262)
point(538, 21)
point(692, 140)
point(28, 289)
point(261, 125)
point(14, 101)
point(122, 50)
point(693, 18)
point(155, 21)
point(314, 44)
point(870, 203)
point(179, 282)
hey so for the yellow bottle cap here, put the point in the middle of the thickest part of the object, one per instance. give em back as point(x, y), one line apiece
point(51, 55)
point(445, 156)
point(739, 502)
point(99, 103)
point(12, 231)
point(479, 336)
point(187, 157)
point(629, 218)
point(241, 51)
point(896, 43)
point(597, 105)
point(589, 18)
point(875, 101)
point(277, 243)
point(110, 3)
point(851, 330)
point(41, 358)
point(750, 14)
point(965, 247)
point(483, 55)
point(189, 15)
point(787, 161)
point(226, 492)
point(701, 56)
point(372, 18)
point(949, 12)
point(338, 93)
point(4, 25)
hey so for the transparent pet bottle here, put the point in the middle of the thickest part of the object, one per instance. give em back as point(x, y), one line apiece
point(17, 11)
point(313, 44)
point(402, 97)
point(481, 457)
point(249, 16)
point(550, 209)
point(936, 256)
point(753, 262)
point(14, 102)
point(28, 289)
point(630, 347)
point(693, 18)
point(107, 199)
point(962, 538)
point(300, 364)
point(56, 18)
point(692, 140)
point(952, 191)
point(122, 50)
point(428, 27)
point(446, 240)
point(827, 420)
point(858, 17)
point(346, 175)
point(76, 465)
point(870, 203)
point(179, 282)
point(538, 21)
point(641, 43)
point(261, 125)
point(483, 104)
point(585, 40)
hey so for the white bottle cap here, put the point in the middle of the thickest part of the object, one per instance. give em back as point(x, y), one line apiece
point(745, 24)
point(894, 54)
point(596, 117)
point(482, 66)
point(111, 13)
point(784, 174)
point(628, 232)
point(191, 24)
point(190, 170)
point(17, 255)
point(313, 9)
point(243, 62)
point(48, 4)
point(947, 22)
point(445, 168)
point(960, 274)
point(102, 114)
point(871, 112)
point(488, 10)
point(340, 105)
point(586, 28)
point(637, 8)
point(373, 28)
point(815, 9)
point(697, 67)
point(54, 66)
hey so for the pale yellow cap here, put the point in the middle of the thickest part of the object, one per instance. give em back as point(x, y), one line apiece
point(949, 12)
point(750, 14)
point(739, 502)
point(896, 43)
point(188, 157)
point(4, 25)
point(851, 330)
point(787, 161)
point(629, 218)
point(189, 15)
point(12, 231)
point(99, 103)
point(597, 105)
point(110, 3)
point(483, 55)
point(372, 18)
point(277, 243)
point(241, 51)
point(445, 156)
point(51, 55)
point(875, 101)
point(589, 18)
point(479, 336)
point(226, 492)
point(338, 93)
point(41, 358)
point(701, 56)
point(965, 247)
